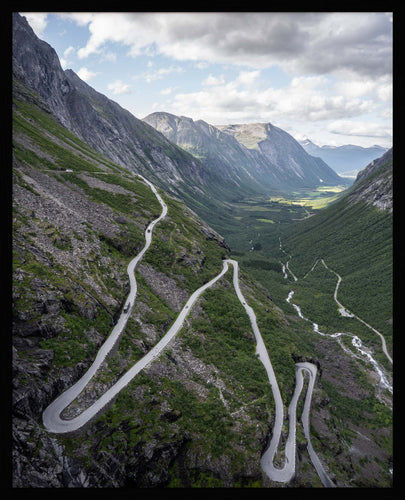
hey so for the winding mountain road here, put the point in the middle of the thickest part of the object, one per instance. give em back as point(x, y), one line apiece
point(54, 423)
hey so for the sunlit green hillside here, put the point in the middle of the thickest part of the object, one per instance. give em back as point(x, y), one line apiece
point(355, 239)
point(200, 415)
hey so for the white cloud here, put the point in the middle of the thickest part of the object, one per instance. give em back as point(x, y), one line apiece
point(316, 43)
point(352, 86)
point(384, 91)
point(160, 73)
point(247, 78)
point(309, 82)
point(386, 113)
point(118, 87)
point(202, 65)
point(80, 18)
point(306, 99)
point(359, 128)
point(108, 56)
point(64, 61)
point(299, 136)
point(68, 51)
point(330, 67)
point(213, 80)
point(85, 74)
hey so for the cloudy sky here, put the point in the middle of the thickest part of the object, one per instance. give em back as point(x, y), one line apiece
point(325, 76)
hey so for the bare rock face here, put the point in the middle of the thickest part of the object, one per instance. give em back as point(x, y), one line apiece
point(254, 155)
point(100, 122)
point(374, 165)
point(218, 150)
point(38, 65)
point(291, 163)
point(374, 183)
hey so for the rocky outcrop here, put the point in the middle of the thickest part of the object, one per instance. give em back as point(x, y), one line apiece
point(220, 152)
point(293, 166)
point(106, 126)
point(255, 155)
point(374, 183)
point(385, 159)
point(36, 63)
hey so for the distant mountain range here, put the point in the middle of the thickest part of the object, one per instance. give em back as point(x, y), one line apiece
point(110, 129)
point(290, 160)
point(346, 160)
point(256, 155)
point(201, 414)
point(219, 152)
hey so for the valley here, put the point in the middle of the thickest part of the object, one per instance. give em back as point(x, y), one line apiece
point(52, 414)
point(176, 321)
point(262, 254)
point(249, 218)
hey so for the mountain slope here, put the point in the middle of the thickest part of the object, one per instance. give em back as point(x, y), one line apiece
point(77, 220)
point(374, 183)
point(201, 414)
point(354, 236)
point(247, 169)
point(384, 160)
point(274, 160)
point(293, 165)
point(343, 158)
point(112, 130)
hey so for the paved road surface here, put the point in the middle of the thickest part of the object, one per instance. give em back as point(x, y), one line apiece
point(54, 423)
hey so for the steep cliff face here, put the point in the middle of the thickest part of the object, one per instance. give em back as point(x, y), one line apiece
point(257, 155)
point(107, 127)
point(110, 129)
point(291, 162)
point(374, 183)
point(245, 169)
point(385, 159)
point(36, 63)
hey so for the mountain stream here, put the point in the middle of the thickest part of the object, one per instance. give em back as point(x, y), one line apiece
point(356, 341)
